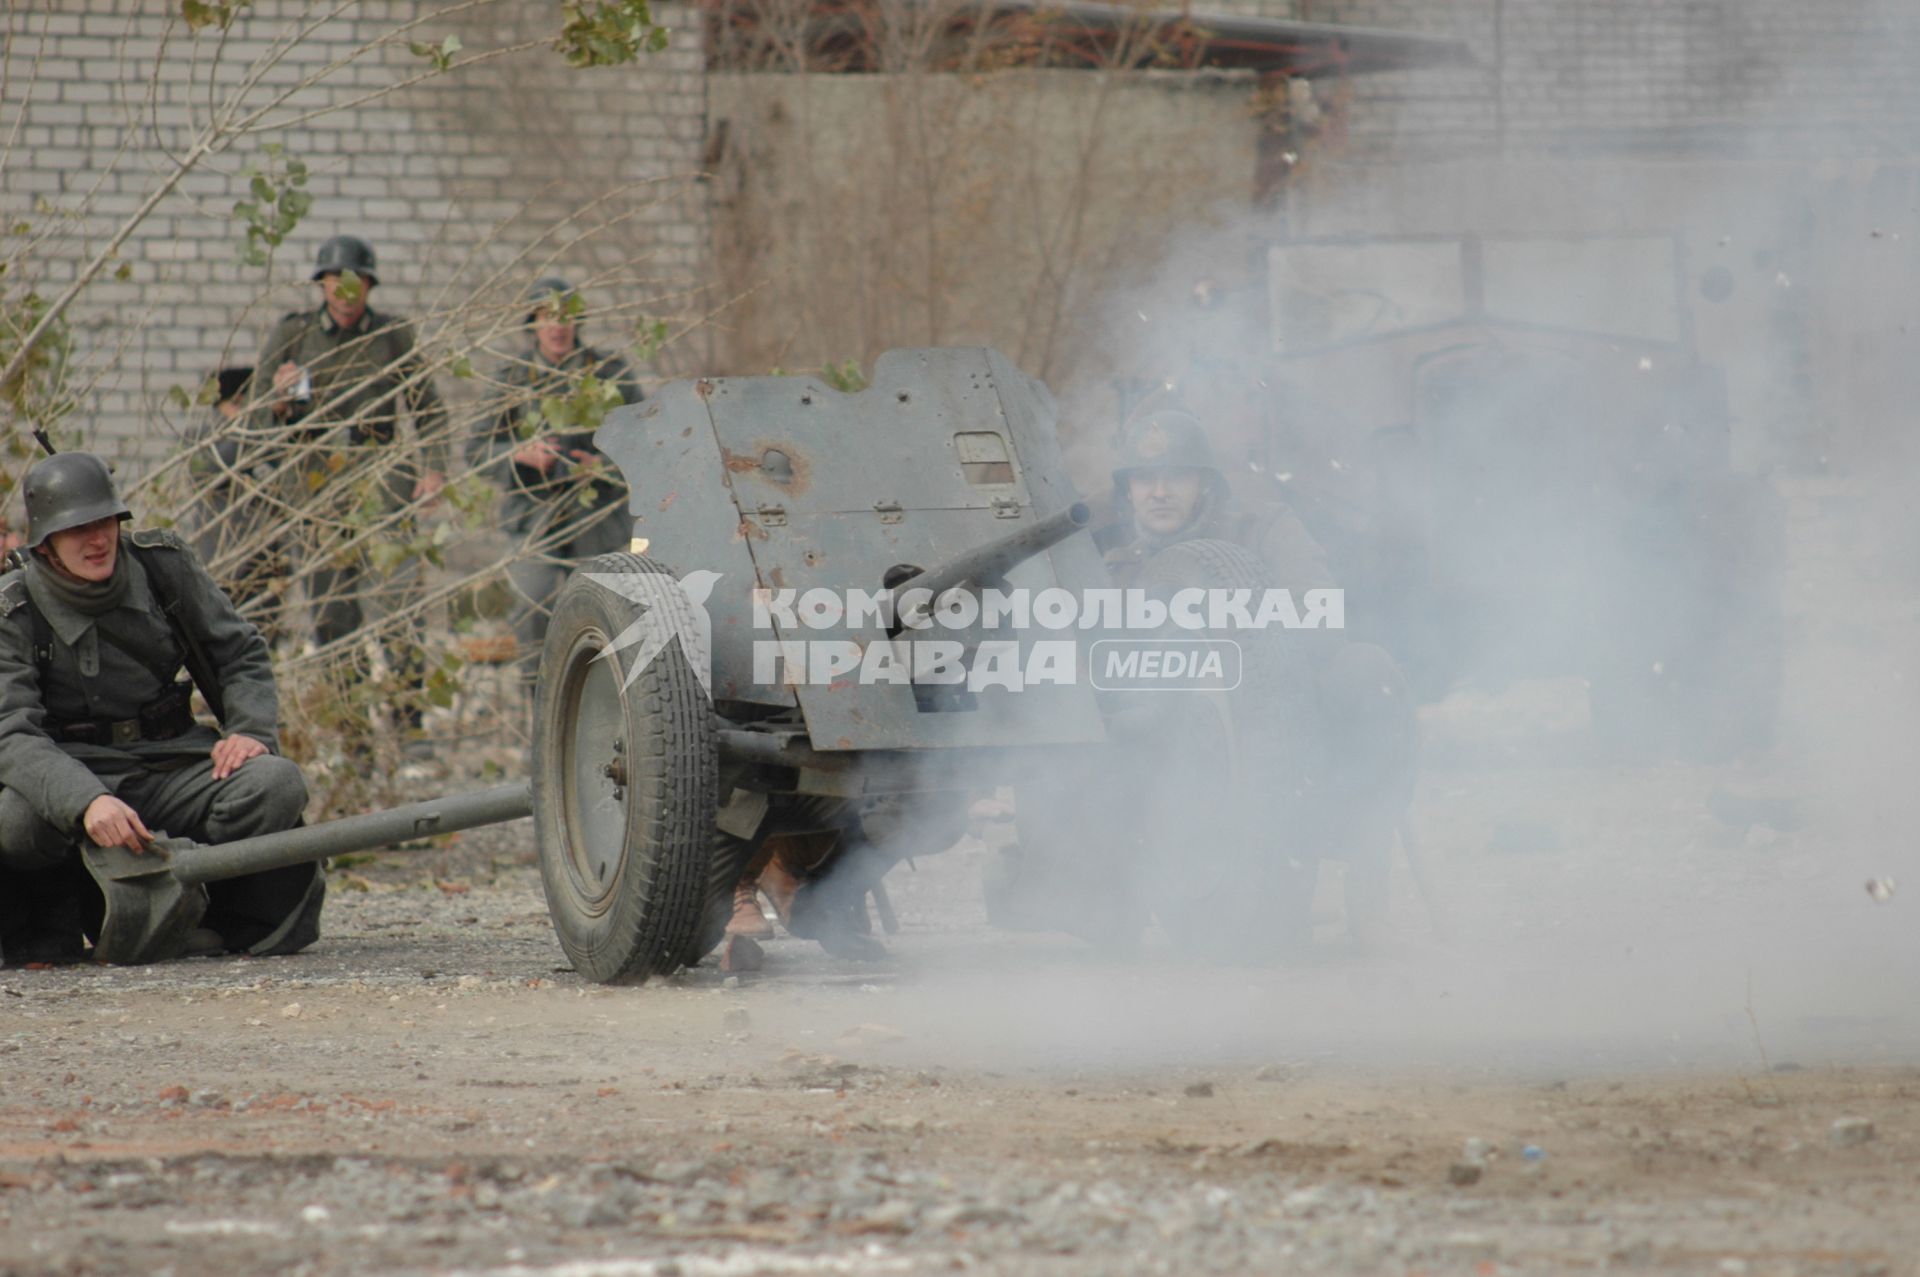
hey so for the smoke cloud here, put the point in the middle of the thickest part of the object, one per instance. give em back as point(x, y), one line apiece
point(1609, 452)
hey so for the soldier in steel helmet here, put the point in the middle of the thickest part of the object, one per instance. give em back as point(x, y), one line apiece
point(1347, 700)
point(562, 496)
point(345, 374)
point(97, 734)
point(1167, 488)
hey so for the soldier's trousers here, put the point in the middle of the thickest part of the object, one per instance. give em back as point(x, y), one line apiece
point(537, 578)
point(266, 795)
point(349, 596)
point(40, 865)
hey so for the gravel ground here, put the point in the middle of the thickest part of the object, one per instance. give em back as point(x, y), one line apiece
point(430, 1089)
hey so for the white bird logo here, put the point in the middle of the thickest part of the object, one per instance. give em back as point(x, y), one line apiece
point(669, 609)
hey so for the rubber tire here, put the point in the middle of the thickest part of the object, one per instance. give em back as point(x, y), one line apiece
point(1255, 900)
point(645, 922)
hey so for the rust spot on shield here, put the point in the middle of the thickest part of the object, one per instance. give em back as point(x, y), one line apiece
point(703, 387)
point(749, 530)
point(777, 578)
point(802, 478)
point(774, 460)
point(669, 499)
point(845, 742)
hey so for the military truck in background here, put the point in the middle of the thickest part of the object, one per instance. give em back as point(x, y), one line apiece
point(1521, 467)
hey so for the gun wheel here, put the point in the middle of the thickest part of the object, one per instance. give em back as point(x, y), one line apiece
point(624, 774)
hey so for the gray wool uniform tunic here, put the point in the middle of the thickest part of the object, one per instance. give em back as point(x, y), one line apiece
point(95, 677)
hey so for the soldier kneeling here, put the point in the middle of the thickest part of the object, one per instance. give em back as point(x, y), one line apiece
point(97, 734)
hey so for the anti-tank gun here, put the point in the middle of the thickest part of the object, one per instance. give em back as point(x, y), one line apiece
point(711, 698)
point(763, 507)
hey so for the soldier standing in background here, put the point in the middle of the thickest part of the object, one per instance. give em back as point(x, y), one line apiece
point(98, 737)
point(346, 370)
point(226, 469)
point(563, 499)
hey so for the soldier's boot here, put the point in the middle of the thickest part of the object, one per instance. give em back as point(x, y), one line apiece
point(301, 926)
point(831, 908)
point(268, 914)
point(204, 942)
point(748, 921)
point(43, 917)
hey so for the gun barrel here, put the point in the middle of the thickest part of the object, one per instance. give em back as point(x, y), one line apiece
point(987, 562)
point(353, 833)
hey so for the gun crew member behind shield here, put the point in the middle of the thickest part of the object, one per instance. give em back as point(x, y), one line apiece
point(1325, 721)
point(97, 735)
point(1352, 700)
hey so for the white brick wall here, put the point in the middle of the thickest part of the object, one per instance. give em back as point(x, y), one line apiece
point(451, 180)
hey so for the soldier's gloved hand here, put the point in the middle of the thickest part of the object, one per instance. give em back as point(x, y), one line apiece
point(585, 463)
point(111, 823)
point(231, 751)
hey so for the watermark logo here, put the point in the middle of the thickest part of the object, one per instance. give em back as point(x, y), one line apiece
point(669, 609)
point(1118, 640)
point(1159, 665)
point(1115, 640)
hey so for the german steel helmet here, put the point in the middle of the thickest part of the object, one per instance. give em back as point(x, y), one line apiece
point(67, 490)
point(1164, 439)
point(344, 253)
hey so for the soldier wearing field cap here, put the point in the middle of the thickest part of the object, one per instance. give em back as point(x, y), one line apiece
point(97, 735)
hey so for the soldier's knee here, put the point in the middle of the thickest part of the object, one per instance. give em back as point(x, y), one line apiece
point(27, 842)
point(270, 790)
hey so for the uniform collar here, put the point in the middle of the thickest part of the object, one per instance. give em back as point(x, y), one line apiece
point(69, 624)
point(365, 324)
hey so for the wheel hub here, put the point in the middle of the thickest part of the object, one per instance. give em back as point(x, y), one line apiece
point(595, 770)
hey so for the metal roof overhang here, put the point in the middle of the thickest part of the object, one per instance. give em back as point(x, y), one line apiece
point(838, 36)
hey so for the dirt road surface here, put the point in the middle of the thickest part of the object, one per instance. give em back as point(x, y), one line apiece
point(1664, 1029)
